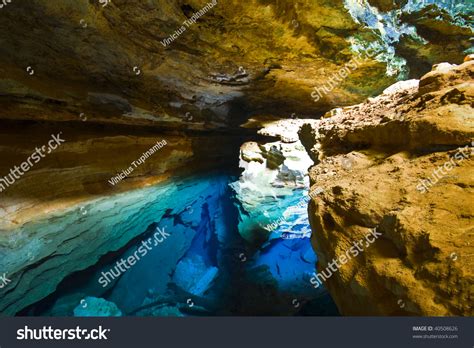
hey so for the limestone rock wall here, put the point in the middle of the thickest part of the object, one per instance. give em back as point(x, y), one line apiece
point(402, 163)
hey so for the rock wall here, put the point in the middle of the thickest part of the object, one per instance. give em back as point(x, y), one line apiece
point(80, 168)
point(114, 64)
point(401, 163)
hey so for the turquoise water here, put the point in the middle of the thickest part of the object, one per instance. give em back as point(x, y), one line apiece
point(199, 264)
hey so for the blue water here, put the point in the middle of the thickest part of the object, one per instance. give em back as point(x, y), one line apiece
point(203, 266)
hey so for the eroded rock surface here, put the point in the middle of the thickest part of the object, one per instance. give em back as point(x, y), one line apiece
point(116, 63)
point(401, 163)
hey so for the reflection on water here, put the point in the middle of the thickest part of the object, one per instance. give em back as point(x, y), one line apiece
point(203, 267)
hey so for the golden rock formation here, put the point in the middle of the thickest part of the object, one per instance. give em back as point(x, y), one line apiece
point(402, 163)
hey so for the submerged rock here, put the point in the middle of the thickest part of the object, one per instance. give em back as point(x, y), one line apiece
point(274, 178)
point(194, 276)
point(96, 307)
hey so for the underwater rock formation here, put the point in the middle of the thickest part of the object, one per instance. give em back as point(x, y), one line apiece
point(402, 163)
point(272, 193)
point(274, 176)
point(96, 307)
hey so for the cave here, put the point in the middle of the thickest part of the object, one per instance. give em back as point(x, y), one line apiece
point(223, 166)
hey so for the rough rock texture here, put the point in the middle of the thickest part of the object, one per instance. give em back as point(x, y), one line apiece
point(444, 41)
point(63, 59)
point(376, 166)
point(387, 5)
